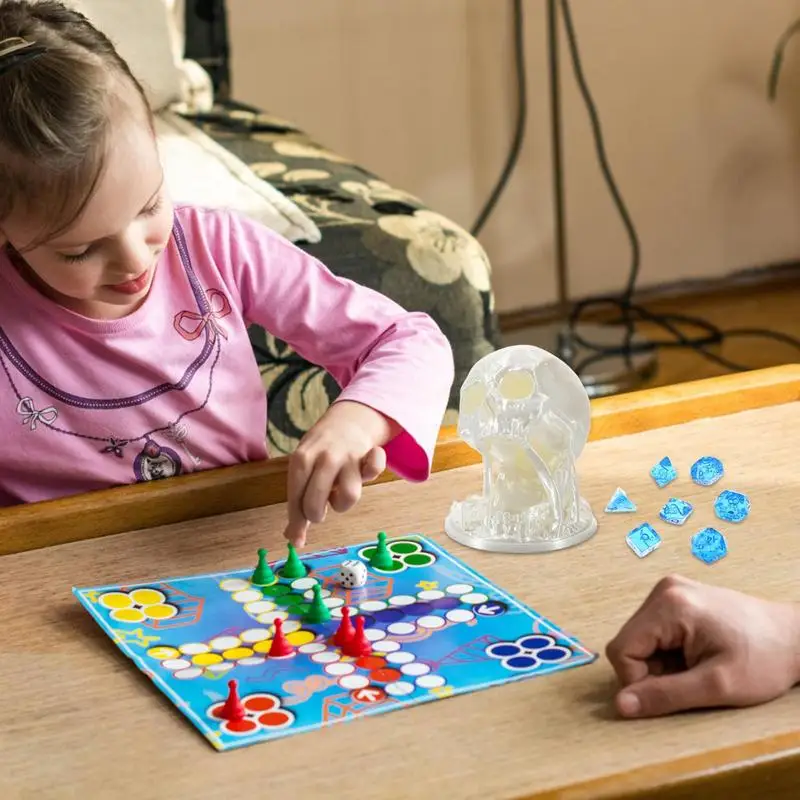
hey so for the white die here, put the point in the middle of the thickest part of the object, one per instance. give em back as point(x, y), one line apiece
point(352, 574)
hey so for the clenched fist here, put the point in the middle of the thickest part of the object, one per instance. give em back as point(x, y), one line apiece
point(691, 645)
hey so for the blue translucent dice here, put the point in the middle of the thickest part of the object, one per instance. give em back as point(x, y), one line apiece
point(706, 471)
point(709, 545)
point(643, 540)
point(732, 506)
point(663, 473)
point(620, 503)
point(676, 511)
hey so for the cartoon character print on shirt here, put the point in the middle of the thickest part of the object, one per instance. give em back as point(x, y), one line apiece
point(155, 463)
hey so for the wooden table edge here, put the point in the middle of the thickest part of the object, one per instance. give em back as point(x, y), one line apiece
point(245, 486)
point(743, 770)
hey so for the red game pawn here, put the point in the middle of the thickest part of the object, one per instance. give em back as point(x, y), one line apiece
point(358, 645)
point(345, 631)
point(233, 710)
point(280, 647)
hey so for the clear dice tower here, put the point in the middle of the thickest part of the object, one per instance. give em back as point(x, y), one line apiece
point(528, 415)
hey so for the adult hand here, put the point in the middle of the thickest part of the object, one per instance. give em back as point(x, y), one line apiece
point(732, 649)
point(341, 452)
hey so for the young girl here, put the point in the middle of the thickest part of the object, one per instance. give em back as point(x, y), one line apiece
point(123, 319)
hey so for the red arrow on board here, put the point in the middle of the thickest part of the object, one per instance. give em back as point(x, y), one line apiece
point(369, 694)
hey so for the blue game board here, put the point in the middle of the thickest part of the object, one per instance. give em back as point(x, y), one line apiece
point(437, 628)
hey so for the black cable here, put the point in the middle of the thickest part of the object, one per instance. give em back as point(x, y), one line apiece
point(602, 157)
point(630, 312)
point(522, 115)
point(777, 59)
point(624, 303)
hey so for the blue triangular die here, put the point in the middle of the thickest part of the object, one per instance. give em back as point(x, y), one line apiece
point(620, 503)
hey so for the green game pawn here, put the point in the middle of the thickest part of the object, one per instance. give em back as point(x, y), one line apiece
point(381, 558)
point(318, 612)
point(263, 574)
point(294, 567)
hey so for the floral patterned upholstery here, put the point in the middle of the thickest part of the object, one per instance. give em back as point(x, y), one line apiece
point(372, 233)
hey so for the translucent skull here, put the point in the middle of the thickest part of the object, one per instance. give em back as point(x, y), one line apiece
point(528, 415)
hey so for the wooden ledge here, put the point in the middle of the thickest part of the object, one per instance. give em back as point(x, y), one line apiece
point(187, 497)
point(685, 402)
point(760, 769)
point(246, 486)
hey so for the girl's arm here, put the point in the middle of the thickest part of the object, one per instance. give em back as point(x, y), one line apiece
point(394, 362)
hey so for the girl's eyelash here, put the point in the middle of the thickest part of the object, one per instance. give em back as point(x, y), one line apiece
point(147, 212)
point(153, 210)
point(77, 258)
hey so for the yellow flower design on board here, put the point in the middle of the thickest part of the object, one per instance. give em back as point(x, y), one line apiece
point(137, 605)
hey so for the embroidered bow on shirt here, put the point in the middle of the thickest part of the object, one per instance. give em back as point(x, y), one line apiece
point(32, 417)
point(218, 307)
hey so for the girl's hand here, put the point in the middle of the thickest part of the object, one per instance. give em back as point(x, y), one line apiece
point(342, 451)
point(694, 646)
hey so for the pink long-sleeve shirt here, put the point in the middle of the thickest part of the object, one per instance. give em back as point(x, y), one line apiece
point(86, 404)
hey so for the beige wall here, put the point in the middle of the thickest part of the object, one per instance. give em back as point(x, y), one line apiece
point(421, 92)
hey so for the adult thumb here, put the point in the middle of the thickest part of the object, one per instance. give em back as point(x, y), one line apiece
point(657, 695)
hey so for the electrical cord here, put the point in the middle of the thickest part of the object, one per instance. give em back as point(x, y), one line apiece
point(522, 117)
point(630, 313)
point(777, 59)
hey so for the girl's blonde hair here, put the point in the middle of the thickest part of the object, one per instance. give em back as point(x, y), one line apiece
point(55, 111)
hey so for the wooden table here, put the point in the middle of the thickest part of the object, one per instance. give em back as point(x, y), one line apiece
point(79, 721)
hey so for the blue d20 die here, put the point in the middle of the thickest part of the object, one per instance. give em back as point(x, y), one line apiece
point(706, 471)
point(676, 511)
point(643, 540)
point(663, 473)
point(732, 506)
point(709, 545)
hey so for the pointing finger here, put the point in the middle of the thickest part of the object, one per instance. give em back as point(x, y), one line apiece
point(296, 532)
point(319, 487)
point(300, 465)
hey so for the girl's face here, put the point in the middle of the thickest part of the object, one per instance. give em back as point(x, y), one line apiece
point(102, 267)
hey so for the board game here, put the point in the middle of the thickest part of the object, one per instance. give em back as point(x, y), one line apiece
point(431, 626)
